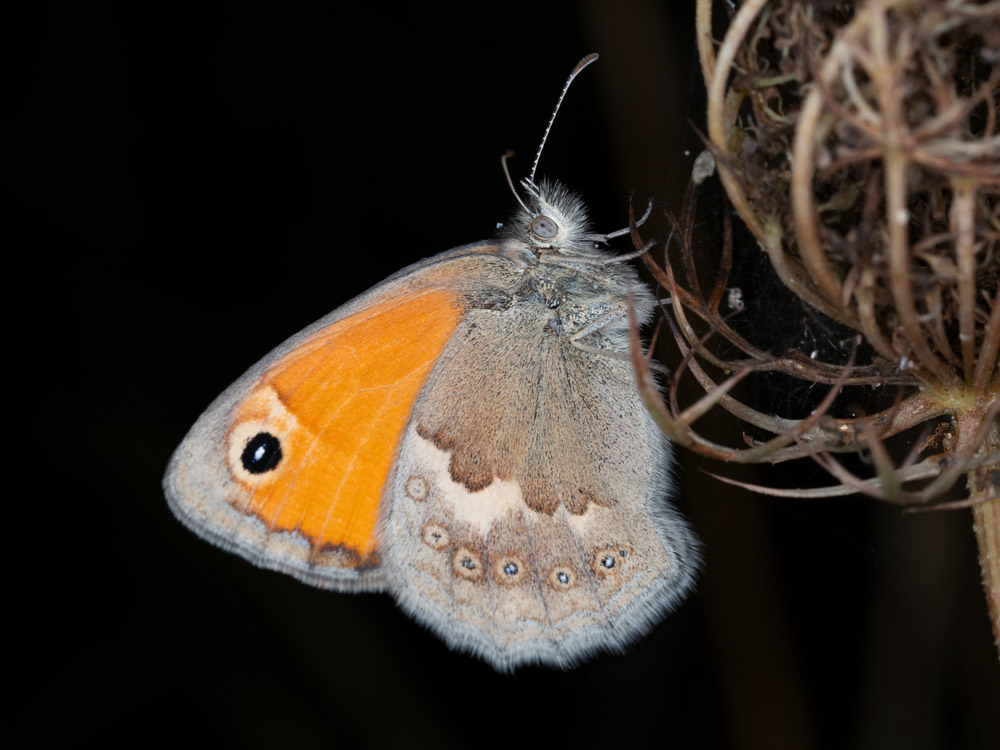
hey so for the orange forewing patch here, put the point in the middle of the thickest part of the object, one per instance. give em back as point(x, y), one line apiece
point(339, 404)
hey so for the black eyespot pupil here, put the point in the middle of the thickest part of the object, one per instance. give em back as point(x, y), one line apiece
point(510, 569)
point(262, 453)
point(563, 578)
point(608, 562)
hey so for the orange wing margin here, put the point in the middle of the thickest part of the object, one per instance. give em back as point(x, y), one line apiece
point(338, 404)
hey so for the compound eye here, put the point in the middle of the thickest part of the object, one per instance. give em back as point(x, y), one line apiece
point(544, 227)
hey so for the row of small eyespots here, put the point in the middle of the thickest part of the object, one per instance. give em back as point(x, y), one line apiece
point(508, 571)
point(511, 570)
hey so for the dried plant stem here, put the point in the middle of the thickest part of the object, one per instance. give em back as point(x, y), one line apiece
point(986, 522)
point(884, 74)
point(865, 294)
point(803, 163)
point(703, 26)
point(718, 77)
point(987, 363)
point(963, 210)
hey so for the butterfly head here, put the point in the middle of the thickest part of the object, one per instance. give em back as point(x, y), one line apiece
point(551, 220)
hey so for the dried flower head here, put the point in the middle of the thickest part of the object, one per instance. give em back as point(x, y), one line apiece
point(860, 145)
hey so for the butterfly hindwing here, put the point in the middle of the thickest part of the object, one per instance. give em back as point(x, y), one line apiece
point(526, 522)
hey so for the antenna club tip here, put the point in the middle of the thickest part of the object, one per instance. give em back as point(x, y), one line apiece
point(592, 57)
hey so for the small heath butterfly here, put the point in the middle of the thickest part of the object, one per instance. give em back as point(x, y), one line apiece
point(468, 436)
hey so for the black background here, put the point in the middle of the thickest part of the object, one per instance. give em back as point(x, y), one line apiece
point(193, 182)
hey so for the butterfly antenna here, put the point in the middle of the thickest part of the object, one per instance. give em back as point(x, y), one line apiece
point(503, 163)
point(576, 71)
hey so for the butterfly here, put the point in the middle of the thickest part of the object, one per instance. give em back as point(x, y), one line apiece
point(468, 436)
